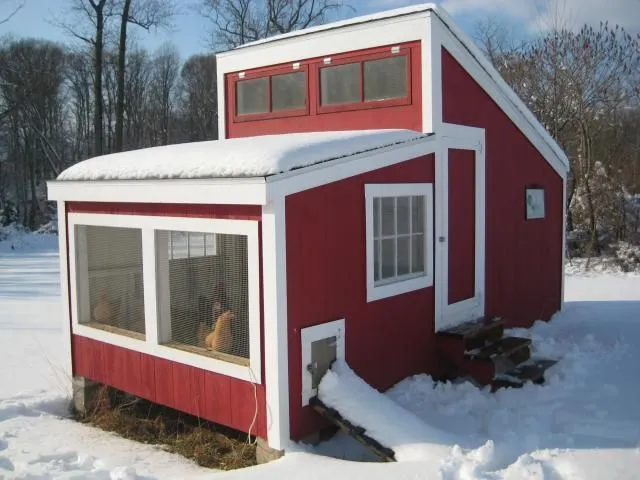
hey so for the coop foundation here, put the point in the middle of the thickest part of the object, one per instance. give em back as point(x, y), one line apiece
point(85, 394)
point(265, 454)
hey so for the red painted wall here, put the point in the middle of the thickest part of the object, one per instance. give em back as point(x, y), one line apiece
point(523, 258)
point(400, 116)
point(214, 397)
point(205, 394)
point(386, 340)
point(462, 225)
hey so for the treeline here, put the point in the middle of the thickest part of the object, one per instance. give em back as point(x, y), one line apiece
point(48, 112)
point(584, 87)
point(103, 93)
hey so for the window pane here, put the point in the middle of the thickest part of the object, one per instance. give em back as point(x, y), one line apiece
point(210, 244)
point(385, 79)
point(403, 255)
point(340, 84)
point(288, 91)
point(388, 258)
point(376, 217)
point(417, 222)
point(208, 298)
point(114, 296)
point(388, 216)
point(196, 245)
point(252, 96)
point(376, 260)
point(403, 214)
point(417, 254)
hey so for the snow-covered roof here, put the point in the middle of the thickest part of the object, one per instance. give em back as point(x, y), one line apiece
point(239, 157)
point(396, 12)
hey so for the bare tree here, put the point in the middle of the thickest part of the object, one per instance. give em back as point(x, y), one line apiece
point(13, 13)
point(166, 69)
point(145, 14)
point(236, 22)
point(200, 98)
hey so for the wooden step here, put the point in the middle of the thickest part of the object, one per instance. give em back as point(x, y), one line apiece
point(453, 342)
point(531, 371)
point(504, 355)
point(506, 346)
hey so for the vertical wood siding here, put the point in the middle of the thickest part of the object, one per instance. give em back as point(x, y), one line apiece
point(386, 340)
point(523, 257)
point(400, 116)
point(462, 225)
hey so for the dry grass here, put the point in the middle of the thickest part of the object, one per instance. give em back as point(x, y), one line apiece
point(209, 445)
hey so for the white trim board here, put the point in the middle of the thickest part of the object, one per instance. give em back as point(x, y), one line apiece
point(149, 225)
point(64, 289)
point(221, 191)
point(399, 286)
point(473, 139)
point(276, 350)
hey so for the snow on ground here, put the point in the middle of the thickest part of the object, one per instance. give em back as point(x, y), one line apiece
point(583, 424)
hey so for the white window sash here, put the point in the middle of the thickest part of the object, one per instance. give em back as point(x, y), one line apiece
point(155, 308)
point(398, 284)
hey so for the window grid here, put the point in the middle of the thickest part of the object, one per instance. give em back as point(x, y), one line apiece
point(413, 237)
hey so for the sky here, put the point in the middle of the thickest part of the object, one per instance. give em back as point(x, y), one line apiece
point(39, 18)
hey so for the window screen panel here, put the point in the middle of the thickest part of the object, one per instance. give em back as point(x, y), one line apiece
point(288, 91)
point(340, 84)
point(114, 294)
point(385, 79)
point(252, 96)
point(208, 295)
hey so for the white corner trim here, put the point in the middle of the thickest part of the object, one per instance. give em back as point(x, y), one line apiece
point(377, 292)
point(312, 334)
point(64, 291)
point(149, 225)
point(225, 191)
point(470, 57)
point(276, 359)
point(432, 68)
point(332, 171)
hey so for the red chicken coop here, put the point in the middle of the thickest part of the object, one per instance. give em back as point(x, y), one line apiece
point(378, 187)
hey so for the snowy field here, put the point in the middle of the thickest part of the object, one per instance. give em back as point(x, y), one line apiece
point(583, 424)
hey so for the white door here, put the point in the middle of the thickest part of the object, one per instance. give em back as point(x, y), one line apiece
point(460, 230)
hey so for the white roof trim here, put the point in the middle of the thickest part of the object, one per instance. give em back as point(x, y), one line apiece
point(503, 87)
point(397, 12)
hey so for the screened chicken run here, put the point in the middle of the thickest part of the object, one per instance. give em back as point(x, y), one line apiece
point(203, 307)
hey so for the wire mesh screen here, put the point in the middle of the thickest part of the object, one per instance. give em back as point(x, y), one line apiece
point(110, 281)
point(208, 293)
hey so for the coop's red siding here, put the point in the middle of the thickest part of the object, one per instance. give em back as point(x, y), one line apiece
point(211, 396)
point(461, 276)
point(386, 340)
point(198, 392)
point(523, 257)
point(407, 116)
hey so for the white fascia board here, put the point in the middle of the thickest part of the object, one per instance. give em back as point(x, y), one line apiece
point(474, 61)
point(279, 186)
point(361, 36)
point(246, 191)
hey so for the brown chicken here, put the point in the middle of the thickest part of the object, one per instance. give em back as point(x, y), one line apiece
point(221, 339)
point(103, 311)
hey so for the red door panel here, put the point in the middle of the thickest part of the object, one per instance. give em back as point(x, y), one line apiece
point(462, 225)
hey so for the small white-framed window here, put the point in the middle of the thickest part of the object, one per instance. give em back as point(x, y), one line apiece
point(136, 285)
point(399, 238)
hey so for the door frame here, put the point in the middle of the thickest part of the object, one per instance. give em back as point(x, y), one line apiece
point(463, 138)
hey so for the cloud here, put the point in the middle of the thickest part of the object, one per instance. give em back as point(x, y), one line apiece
point(543, 14)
